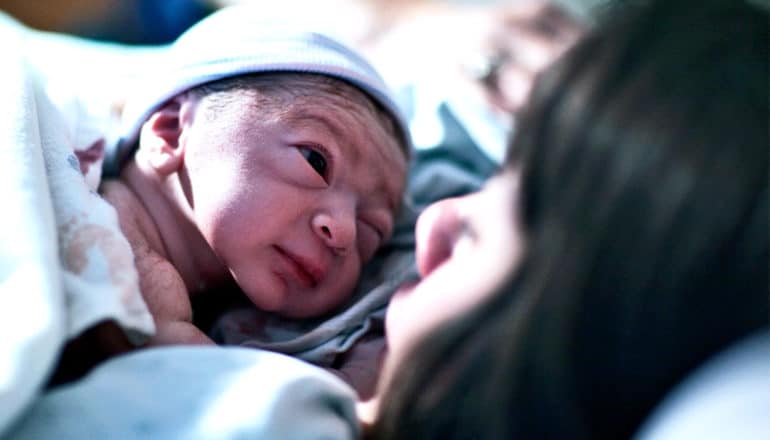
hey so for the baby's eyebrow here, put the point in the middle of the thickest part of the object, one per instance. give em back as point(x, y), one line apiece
point(303, 119)
point(342, 136)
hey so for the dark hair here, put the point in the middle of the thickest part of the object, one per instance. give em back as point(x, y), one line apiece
point(644, 166)
point(275, 92)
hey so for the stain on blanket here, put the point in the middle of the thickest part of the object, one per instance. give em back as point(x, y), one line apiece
point(90, 155)
point(89, 242)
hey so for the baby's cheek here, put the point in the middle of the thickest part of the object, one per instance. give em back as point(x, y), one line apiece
point(368, 244)
point(345, 282)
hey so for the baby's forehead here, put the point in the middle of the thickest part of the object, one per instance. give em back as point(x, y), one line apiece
point(347, 121)
point(311, 99)
point(333, 98)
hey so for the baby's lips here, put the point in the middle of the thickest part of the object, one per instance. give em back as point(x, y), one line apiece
point(314, 269)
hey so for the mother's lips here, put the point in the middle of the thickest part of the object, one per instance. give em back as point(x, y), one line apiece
point(307, 271)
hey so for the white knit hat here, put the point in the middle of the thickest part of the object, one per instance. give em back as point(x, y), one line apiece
point(232, 41)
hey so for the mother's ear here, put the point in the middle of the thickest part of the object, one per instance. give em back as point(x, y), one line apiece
point(160, 137)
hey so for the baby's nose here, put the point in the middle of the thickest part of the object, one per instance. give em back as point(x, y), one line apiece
point(436, 232)
point(336, 229)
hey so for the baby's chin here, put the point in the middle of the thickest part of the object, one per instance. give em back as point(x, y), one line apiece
point(267, 297)
point(277, 293)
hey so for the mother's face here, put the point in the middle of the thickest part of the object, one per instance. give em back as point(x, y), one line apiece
point(466, 247)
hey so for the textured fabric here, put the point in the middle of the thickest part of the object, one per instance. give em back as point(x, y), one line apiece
point(31, 295)
point(64, 264)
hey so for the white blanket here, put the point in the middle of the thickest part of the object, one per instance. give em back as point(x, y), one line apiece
point(64, 264)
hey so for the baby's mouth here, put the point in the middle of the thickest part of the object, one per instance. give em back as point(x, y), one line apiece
point(308, 274)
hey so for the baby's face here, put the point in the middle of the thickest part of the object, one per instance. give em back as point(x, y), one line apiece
point(293, 204)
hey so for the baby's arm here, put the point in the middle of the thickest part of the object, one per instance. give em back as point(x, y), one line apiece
point(167, 298)
point(162, 287)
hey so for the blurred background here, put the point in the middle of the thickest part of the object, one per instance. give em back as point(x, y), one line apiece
point(124, 21)
point(160, 21)
point(460, 69)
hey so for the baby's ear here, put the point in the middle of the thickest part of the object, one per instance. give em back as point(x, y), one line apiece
point(160, 137)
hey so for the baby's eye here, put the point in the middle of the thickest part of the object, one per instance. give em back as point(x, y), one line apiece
point(315, 159)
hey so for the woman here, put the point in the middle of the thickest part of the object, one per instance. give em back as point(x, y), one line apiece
point(643, 223)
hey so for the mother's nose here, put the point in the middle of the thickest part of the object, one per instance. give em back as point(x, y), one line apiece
point(437, 230)
point(336, 229)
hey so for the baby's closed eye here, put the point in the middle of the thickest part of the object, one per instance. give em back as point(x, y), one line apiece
point(370, 238)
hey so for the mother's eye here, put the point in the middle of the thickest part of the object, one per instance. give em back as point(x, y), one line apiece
point(316, 159)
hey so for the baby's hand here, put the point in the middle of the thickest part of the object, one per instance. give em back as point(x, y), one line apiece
point(360, 366)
